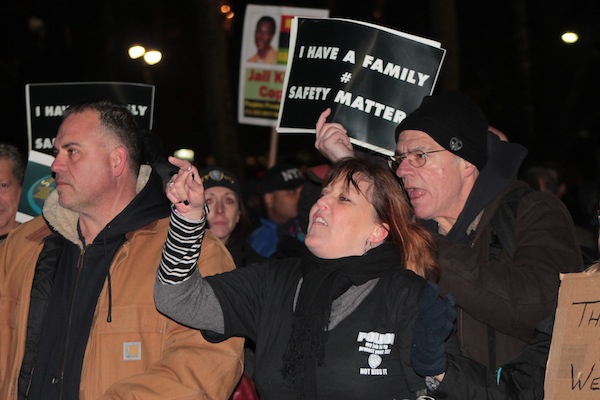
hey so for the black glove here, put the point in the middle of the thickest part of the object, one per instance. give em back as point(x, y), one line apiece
point(434, 325)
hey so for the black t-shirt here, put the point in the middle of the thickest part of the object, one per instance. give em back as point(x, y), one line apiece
point(367, 355)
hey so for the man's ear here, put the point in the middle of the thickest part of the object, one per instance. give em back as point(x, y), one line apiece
point(379, 233)
point(468, 168)
point(268, 200)
point(119, 160)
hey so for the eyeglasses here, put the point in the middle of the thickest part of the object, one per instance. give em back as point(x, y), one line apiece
point(416, 158)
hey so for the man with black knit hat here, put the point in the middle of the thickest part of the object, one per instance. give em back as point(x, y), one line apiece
point(461, 180)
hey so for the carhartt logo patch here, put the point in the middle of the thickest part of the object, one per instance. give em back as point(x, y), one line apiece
point(132, 351)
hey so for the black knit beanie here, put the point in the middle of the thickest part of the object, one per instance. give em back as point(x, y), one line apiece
point(454, 121)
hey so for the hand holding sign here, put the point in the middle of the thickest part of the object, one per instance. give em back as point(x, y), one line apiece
point(370, 76)
point(332, 139)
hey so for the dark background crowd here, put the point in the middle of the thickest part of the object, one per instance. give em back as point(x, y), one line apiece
point(486, 227)
point(507, 55)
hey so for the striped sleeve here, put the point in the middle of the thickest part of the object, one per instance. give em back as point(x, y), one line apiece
point(182, 248)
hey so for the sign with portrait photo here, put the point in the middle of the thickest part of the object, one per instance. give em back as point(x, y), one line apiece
point(263, 60)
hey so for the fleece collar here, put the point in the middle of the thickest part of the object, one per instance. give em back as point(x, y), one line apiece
point(65, 221)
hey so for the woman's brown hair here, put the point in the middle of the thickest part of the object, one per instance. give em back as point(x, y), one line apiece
point(392, 207)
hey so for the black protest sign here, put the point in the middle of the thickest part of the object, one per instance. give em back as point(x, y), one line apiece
point(46, 103)
point(371, 77)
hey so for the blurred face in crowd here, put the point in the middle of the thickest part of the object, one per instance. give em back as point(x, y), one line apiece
point(10, 192)
point(83, 164)
point(439, 189)
point(343, 221)
point(282, 205)
point(263, 35)
point(224, 212)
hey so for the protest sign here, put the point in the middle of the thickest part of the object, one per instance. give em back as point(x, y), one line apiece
point(573, 369)
point(264, 55)
point(46, 104)
point(38, 183)
point(370, 76)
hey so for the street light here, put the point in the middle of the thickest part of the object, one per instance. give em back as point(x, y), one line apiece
point(569, 37)
point(227, 12)
point(151, 57)
point(136, 51)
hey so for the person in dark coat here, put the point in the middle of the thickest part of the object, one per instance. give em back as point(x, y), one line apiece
point(280, 189)
point(458, 377)
point(335, 324)
point(458, 175)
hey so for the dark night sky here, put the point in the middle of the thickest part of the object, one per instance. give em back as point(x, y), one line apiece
point(538, 91)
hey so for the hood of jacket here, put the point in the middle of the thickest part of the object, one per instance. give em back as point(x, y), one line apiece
point(149, 204)
point(504, 161)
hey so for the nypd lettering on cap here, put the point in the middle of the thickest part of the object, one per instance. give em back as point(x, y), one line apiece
point(290, 174)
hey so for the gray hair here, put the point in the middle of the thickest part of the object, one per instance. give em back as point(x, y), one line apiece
point(12, 153)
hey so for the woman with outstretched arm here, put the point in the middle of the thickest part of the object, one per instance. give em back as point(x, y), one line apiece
point(336, 324)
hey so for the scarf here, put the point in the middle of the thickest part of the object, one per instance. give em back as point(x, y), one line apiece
point(323, 282)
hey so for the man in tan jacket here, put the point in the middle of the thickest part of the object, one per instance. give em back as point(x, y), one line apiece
point(77, 315)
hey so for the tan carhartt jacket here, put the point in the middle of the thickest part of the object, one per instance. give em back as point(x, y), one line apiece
point(141, 354)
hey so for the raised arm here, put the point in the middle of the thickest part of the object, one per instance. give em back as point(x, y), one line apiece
point(332, 139)
point(185, 365)
point(179, 290)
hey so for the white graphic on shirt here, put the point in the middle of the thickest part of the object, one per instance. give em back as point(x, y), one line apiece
point(374, 360)
point(377, 345)
point(424, 397)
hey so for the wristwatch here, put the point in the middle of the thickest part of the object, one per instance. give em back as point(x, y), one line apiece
point(432, 383)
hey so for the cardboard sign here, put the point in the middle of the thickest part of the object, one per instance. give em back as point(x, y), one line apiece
point(573, 370)
point(370, 76)
point(263, 60)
